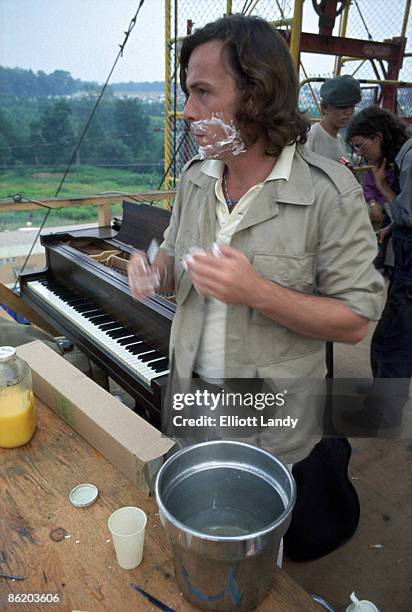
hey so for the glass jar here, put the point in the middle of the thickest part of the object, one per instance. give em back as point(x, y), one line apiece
point(17, 410)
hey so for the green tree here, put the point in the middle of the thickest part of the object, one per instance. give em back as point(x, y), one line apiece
point(112, 151)
point(132, 125)
point(57, 132)
point(60, 82)
point(5, 151)
point(99, 131)
point(36, 142)
point(8, 138)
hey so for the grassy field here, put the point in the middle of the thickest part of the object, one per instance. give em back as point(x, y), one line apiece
point(81, 181)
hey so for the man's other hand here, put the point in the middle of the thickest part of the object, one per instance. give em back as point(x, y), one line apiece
point(143, 279)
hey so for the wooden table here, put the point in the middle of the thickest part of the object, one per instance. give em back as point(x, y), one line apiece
point(34, 484)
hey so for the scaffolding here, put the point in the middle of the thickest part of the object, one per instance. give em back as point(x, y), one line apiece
point(352, 33)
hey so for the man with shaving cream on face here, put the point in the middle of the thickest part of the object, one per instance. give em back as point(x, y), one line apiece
point(269, 249)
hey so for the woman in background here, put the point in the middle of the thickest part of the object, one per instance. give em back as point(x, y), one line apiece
point(382, 140)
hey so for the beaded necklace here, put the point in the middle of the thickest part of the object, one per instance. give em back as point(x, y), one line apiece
point(230, 203)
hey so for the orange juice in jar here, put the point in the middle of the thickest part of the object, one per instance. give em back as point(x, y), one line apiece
point(17, 410)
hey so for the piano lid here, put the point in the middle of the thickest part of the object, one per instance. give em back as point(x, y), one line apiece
point(141, 223)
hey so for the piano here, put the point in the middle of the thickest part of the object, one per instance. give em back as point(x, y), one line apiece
point(83, 291)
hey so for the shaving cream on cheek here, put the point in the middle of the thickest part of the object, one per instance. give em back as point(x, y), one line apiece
point(220, 137)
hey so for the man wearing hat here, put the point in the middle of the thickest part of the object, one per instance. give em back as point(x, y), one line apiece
point(339, 97)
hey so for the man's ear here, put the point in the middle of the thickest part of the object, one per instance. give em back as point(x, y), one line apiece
point(250, 104)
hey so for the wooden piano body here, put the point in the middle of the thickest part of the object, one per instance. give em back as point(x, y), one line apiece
point(83, 291)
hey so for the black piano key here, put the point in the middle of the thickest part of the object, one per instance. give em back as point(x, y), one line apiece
point(147, 356)
point(153, 359)
point(106, 326)
point(99, 319)
point(153, 356)
point(72, 301)
point(132, 345)
point(118, 333)
point(93, 313)
point(46, 282)
point(63, 292)
point(134, 348)
point(131, 331)
point(90, 312)
point(130, 340)
point(84, 307)
point(160, 366)
point(138, 348)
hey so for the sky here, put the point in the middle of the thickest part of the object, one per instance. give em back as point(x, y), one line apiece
point(83, 37)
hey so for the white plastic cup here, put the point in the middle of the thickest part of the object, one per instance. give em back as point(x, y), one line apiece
point(127, 526)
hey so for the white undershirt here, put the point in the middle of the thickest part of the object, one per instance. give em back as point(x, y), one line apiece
point(322, 143)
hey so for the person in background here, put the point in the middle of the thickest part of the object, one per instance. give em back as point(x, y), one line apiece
point(382, 140)
point(339, 97)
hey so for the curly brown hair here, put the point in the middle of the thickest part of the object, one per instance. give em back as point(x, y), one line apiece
point(374, 119)
point(265, 77)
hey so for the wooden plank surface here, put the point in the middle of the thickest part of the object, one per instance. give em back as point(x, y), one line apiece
point(35, 481)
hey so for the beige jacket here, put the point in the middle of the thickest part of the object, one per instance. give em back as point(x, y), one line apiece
point(311, 234)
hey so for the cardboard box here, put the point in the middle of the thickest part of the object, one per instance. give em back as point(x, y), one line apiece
point(129, 442)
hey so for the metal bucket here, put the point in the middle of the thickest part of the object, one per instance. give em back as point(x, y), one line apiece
point(225, 507)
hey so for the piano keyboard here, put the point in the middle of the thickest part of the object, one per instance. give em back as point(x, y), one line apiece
point(124, 343)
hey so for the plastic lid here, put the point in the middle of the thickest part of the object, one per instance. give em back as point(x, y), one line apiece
point(83, 495)
point(6, 352)
point(361, 605)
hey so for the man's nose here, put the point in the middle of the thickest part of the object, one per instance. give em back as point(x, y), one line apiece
point(189, 111)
